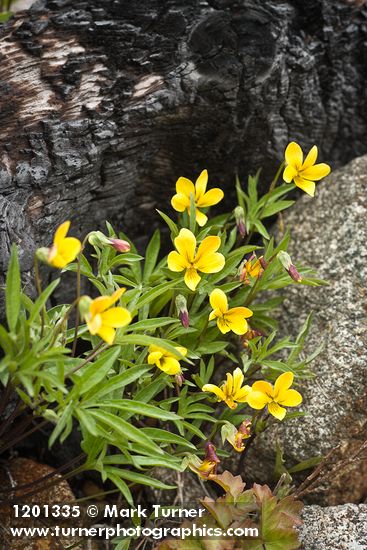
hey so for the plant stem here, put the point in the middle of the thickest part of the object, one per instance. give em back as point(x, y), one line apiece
point(77, 314)
point(23, 436)
point(44, 478)
point(38, 282)
point(92, 355)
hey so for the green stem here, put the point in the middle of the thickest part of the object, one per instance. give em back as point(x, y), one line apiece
point(38, 282)
point(96, 351)
point(77, 315)
point(271, 188)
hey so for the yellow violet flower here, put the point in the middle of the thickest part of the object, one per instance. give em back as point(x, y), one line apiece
point(206, 259)
point(207, 468)
point(203, 198)
point(165, 360)
point(102, 319)
point(232, 390)
point(236, 437)
point(228, 319)
point(264, 394)
point(303, 173)
point(64, 249)
point(252, 267)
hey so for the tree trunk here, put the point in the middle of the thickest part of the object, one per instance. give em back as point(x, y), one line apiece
point(104, 103)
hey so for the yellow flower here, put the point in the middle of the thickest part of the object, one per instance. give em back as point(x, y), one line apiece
point(102, 319)
point(236, 437)
point(206, 259)
point(165, 360)
point(303, 173)
point(207, 468)
point(232, 390)
point(64, 249)
point(263, 393)
point(185, 188)
point(228, 319)
point(251, 267)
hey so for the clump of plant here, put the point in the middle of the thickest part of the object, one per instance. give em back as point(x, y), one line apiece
point(136, 366)
point(5, 10)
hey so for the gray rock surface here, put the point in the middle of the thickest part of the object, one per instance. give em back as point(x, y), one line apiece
point(334, 527)
point(329, 233)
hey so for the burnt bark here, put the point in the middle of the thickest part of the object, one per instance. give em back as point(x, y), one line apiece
point(104, 103)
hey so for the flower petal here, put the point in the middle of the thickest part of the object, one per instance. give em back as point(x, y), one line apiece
point(180, 202)
point(236, 322)
point(200, 185)
point(289, 173)
point(201, 218)
point(94, 324)
point(107, 334)
point(218, 300)
point(212, 263)
point(242, 395)
point(257, 399)
point(185, 244)
point(228, 386)
point(290, 398)
point(208, 246)
point(214, 389)
point(170, 365)
point(154, 357)
point(276, 410)
point(238, 379)
point(214, 314)
point(311, 158)
point(104, 302)
point(192, 278)
point(306, 186)
point(283, 382)
point(184, 186)
point(176, 262)
point(213, 196)
point(294, 155)
point(316, 173)
point(61, 233)
point(116, 317)
point(223, 325)
point(264, 387)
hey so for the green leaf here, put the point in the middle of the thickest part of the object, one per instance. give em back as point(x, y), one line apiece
point(167, 437)
point(151, 254)
point(136, 407)
point(154, 292)
point(306, 464)
point(152, 324)
point(171, 224)
point(42, 299)
point(94, 373)
point(144, 340)
point(271, 209)
point(120, 484)
point(126, 430)
point(12, 290)
point(119, 381)
point(140, 479)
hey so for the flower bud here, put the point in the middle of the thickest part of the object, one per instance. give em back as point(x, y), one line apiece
point(120, 245)
point(263, 262)
point(180, 379)
point(182, 312)
point(239, 215)
point(42, 254)
point(84, 306)
point(286, 262)
point(97, 238)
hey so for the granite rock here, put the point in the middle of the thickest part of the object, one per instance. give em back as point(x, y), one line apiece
point(329, 232)
point(334, 527)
